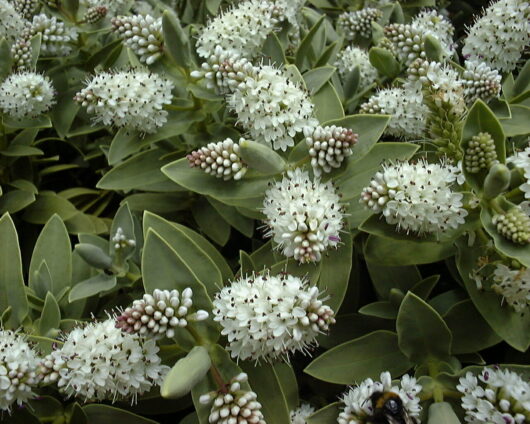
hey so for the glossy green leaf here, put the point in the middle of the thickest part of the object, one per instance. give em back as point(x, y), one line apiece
point(316, 78)
point(513, 327)
point(442, 413)
point(211, 223)
point(364, 357)
point(230, 214)
point(176, 44)
point(519, 123)
point(46, 205)
point(105, 414)
point(327, 103)
point(12, 292)
point(50, 317)
point(53, 246)
point(261, 157)
point(100, 283)
point(423, 334)
point(384, 61)
point(326, 415)
point(384, 278)
point(186, 373)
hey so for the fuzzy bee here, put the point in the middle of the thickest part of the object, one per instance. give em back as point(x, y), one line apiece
point(388, 409)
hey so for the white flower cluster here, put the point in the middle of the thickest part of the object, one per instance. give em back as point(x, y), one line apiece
point(358, 22)
point(159, 314)
point(408, 39)
point(522, 160)
point(133, 99)
point(100, 362)
point(304, 216)
point(352, 57)
point(500, 35)
point(120, 240)
point(496, 396)
point(329, 146)
point(480, 81)
point(241, 30)
point(11, 23)
point(300, 415)
point(221, 159)
point(18, 365)
point(57, 38)
point(440, 83)
point(234, 405)
point(272, 108)
point(513, 285)
point(142, 34)
point(270, 317)
point(418, 197)
point(408, 113)
point(26, 94)
point(224, 71)
point(358, 403)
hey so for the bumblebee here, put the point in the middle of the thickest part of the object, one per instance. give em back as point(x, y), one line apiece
point(388, 409)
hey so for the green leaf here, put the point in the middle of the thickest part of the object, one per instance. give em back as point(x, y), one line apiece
point(306, 55)
point(384, 61)
point(210, 221)
point(186, 373)
point(16, 200)
point(423, 334)
point(197, 262)
point(53, 247)
point(442, 413)
point(124, 220)
point(361, 358)
point(522, 83)
point(287, 379)
point(382, 309)
point(124, 143)
point(198, 181)
point(384, 278)
point(7, 62)
point(246, 263)
point(424, 287)
point(261, 157)
point(176, 42)
point(513, 327)
point(335, 268)
point(230, 214)
point(479, 119)
point(433, 48)
point(396, 252)
point(265, 382)
point(471, 333)
point(100, 283)
point(41, 121)
point(273, 50)
point(326, 415)
point(104, 414)
point(519, 123)
point(50, 317)
point(316, 78)
point(12, 291)
point(46, 205)
point(141, 171)
point(94, 255)
point(327, 103)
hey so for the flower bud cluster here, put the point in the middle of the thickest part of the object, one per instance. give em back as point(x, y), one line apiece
point(329, 146)
point(359, 22)
point(268, 317)
point(513, 225)
point(21, 54)
point(221, 159)
point(234, 405)
point(159, 314)
point(480, 153)
point(26, 8)
point(57, 38)
point(480, 81)
point(18, 365)
point(120, 240)
point(142, 34)
point(95, 14)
